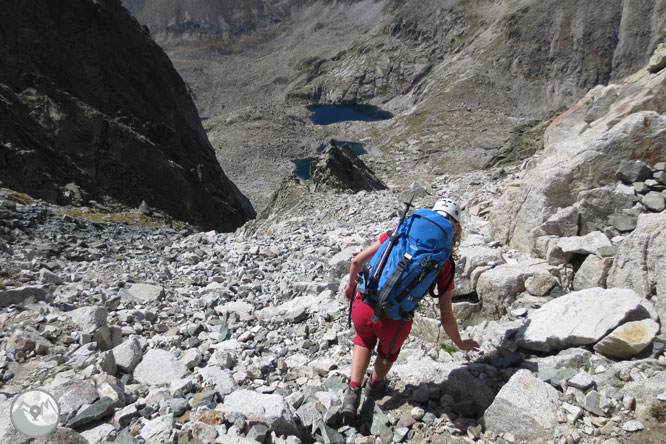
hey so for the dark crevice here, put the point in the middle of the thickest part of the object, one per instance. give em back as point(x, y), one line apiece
point(472, 298)
point(577, 260)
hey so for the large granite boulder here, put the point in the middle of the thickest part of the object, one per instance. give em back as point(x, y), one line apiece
point(526, 407)
point(628, 340)
point(581, 318)
point(87, 97)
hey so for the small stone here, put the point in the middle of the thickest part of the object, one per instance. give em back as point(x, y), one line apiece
point(582, 381)
point(417, 413)
point(632, 426)
point(660, 176)
point(658, 60)
point(623, 222)
point(592, 403)
point(400, 434)
point(662, 397)
point(654, 201)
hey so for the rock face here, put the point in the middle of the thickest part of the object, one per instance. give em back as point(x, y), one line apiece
point(640, 257)
point(340, 169)
point(87, 98)
point(215, 20)
point(610, 125)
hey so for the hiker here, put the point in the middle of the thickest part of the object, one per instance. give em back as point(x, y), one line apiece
point(389, 333)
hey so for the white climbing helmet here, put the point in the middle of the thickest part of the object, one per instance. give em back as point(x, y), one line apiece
point(447, 207)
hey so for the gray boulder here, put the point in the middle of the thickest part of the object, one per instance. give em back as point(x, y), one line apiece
point(271, 410)
point(596, 205)
point(73, 394)
point(525, 407)
point(159, 367)
point(141, 293)
point(633, 171)
point(222, 379)
point(471, 259)
point(89, 319)
point(158, 429)
point(128, 354)
point(497, 288)
point(591, 243)
point(540, 283)
point(27, 339)
point(628, 340)
point(581, 318)
point(592, 272)
point(654, 201)
point(28, 292)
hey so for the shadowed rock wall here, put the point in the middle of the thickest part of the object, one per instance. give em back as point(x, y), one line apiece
point(107, 110)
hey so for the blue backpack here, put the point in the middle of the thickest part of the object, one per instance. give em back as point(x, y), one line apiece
point(406, 265)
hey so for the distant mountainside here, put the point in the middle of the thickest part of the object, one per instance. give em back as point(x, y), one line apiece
point(89, 101)
point(174, 22)
point(468, 82)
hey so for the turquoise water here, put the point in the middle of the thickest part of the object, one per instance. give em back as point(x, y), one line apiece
point(302, 169)
point(328, 114)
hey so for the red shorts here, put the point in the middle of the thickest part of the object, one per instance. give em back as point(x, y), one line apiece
point(367, 333)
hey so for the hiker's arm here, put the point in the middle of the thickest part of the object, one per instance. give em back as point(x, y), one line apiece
point(450, 325)
point(359, 261)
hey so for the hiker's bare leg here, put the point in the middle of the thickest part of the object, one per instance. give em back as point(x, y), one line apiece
point(360, 361)
point(380, 370)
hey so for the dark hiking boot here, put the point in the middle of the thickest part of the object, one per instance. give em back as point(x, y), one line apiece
point(378, 388)
point(351, 401)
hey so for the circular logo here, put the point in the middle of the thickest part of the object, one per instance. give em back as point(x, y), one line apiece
point(35, 413)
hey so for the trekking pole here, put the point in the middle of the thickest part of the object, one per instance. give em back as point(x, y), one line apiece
point(351, 304)
point(382, 262)
point(392, 240)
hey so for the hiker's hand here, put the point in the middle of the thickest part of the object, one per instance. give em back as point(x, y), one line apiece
point(469, 344)
point(349, 292)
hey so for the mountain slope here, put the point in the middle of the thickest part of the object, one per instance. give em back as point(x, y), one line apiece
point(107, 103)
point(460, 77)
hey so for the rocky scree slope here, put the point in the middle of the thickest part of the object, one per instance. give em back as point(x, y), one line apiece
point(91, 103)
point(165, 334)
point(168, 334)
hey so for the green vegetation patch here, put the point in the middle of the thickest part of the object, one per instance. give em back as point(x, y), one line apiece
point(658, 411)
point(20, 198)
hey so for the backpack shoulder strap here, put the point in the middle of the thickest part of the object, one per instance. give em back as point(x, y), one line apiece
point(431, 290)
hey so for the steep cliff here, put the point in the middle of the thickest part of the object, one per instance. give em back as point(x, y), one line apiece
point(91, 99)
